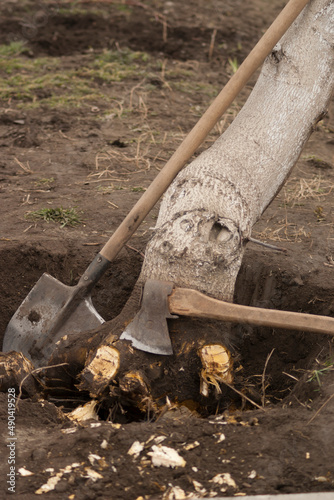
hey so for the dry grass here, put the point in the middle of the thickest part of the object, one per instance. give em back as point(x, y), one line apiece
point(285, 232)
point(25, 168)
point(149, 149)
point(298, 190)
point(105, 162)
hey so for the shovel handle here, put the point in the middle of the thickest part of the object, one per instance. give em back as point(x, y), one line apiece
point(197, 135)
point(188, 302)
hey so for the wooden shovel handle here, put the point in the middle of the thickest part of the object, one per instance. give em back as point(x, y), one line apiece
point(187, 302)
point(197, 135)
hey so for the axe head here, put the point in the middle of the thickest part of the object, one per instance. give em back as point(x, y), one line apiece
point(149, 330)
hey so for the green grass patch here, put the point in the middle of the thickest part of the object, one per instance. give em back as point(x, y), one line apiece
point(234, 65)
point(45, 182)
point(122, 57)
point(47, 81)
point(324, 368)
point(60, 215)
point(12, 49)
point(22, 65)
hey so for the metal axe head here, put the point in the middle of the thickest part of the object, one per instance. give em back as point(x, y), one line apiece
point(149, 330)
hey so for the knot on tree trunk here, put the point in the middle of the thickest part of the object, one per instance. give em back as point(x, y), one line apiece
point(199, 244)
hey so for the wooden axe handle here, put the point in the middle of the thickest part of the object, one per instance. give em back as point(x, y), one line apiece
point(188, 302)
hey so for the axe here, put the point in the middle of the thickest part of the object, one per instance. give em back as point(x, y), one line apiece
point(161, 301)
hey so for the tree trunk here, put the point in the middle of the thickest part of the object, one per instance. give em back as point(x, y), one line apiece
point(204, 223)
point(208, 213)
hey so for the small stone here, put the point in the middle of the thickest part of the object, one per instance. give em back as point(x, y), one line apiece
point(297, 281)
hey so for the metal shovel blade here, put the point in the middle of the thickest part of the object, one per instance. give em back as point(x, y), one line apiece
point(50, 311)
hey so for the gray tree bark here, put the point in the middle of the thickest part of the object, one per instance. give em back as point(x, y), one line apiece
point(207, 214)
point(205, 220)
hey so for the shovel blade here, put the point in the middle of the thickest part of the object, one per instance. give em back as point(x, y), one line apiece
point(50, 311)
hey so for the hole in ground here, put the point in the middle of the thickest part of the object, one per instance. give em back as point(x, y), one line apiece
point(275, 359)
point(22, 266)
point(272, 360)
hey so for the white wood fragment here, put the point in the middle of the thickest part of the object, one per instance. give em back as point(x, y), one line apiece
point(166, 457)
point(54, 480)
point(50, 484)
point(191, 446)
point(135, 449)
point(92, 474)
point(115, 426)
point(159, 439)
point(93, 458)
point(321, 479)
point(70, 430)
point(224, 478)
point(175, 493)
point(85, 412)
point(25, 472)
point(153, 436)
point(104, 444)
point(199, 487)
point(221, 437)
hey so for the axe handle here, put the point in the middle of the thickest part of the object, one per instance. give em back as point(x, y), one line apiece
point(188, 302)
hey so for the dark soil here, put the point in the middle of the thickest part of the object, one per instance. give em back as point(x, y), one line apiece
point(100, 164)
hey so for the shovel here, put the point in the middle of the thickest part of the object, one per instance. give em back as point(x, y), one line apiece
point(52, 310)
